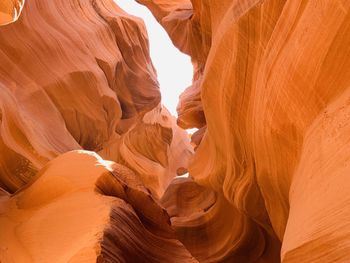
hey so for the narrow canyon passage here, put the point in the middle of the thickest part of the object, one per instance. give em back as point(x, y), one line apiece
point(94, 169)
point(174, 69)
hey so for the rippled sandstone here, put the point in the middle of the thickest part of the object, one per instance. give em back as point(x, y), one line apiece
point(80, 78)
point(77, 75)
point(274, 88)
point(81, 208)
point(270, 97)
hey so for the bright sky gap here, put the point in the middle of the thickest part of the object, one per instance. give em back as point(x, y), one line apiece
point(174, 69)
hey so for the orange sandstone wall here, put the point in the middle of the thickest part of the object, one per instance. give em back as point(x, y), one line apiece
point(272, 93)
point(76, 75)
point(270, 97)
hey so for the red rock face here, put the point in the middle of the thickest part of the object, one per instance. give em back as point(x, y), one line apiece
point(268, 172)
point(83, 209)
point(77, 75)
point(80, 78)
point(274, 89)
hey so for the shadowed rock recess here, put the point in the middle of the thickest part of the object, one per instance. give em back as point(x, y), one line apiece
point(89, 157)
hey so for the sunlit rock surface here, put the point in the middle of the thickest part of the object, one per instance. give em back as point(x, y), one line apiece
point(10, 10)
point(80, 208)
point(267, 167)
point(73, 75)
point(155, 147)
point(77, 75)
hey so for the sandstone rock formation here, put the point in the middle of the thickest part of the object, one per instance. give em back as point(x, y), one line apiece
point(80, 78)
point(155, 147)
point(271, 101)
point(10, 10)
point(274, 89)
point(83, 209)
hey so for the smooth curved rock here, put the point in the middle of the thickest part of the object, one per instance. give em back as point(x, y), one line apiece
point(212, 235)
point(190, 110)
point(188, 24)
point(268, 180)
point(155, 148)
point(269, 72)
point(319, 191)
point(10, 10)
point(71, 73)
point(78, 210)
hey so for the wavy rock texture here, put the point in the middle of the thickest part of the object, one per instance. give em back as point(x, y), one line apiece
point(270, 97)
point(155, 147)
point(210, 234)
point(78, 79)
point(83, 209)
point(274, 88)
point(77, 75)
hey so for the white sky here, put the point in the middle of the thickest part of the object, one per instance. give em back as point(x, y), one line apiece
point(174, 69)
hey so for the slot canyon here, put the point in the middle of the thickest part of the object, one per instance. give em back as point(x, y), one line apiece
point(94, 168)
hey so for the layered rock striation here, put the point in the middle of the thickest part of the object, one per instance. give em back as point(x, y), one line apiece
point(274, 88)
point(75, 75)
point(81, 208)
point(268, 170)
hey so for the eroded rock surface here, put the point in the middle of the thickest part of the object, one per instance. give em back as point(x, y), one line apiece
point(80, 208)
point(77, 75)
point(274, 88)
point(270, 97)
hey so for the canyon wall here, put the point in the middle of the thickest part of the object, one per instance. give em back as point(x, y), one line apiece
point(76, 78)
point(268, 165)
point(272, 79)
